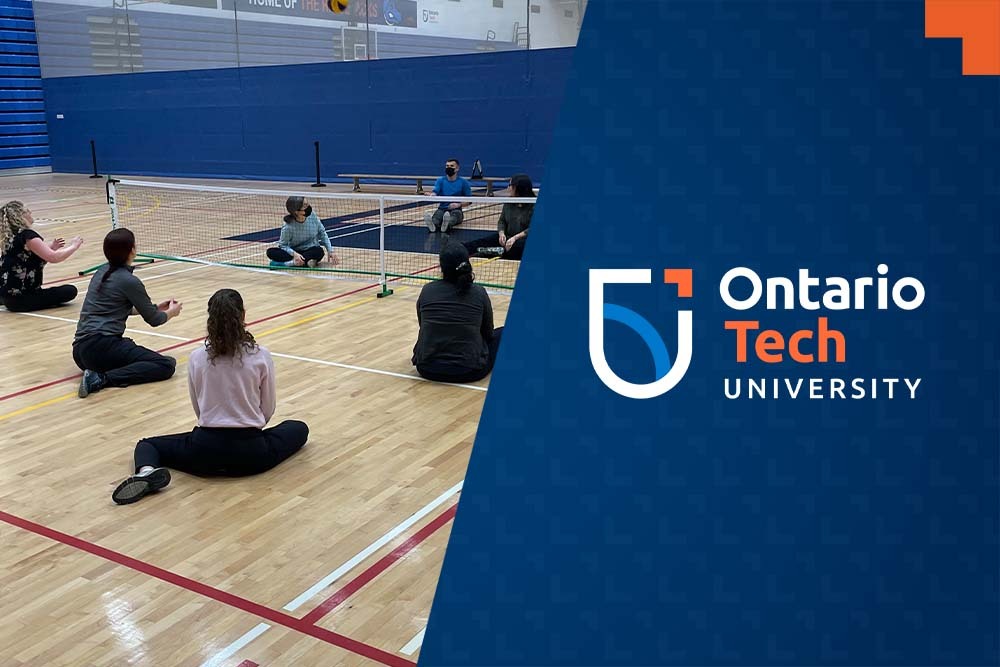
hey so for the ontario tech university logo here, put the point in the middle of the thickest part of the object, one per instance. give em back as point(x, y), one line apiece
point(755, 347)
point(669, 374)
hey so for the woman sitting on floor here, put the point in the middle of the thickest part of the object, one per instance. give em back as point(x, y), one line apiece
point(231, 382)
point(303, 240)
point(100, 350)
point(23, 255)
point(512, 226)
point(457, 341)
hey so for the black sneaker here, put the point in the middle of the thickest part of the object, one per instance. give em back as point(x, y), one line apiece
point(137, 487)
point(91, 382)
point(490, 252)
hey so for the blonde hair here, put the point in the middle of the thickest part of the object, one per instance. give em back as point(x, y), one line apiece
point(12, 221)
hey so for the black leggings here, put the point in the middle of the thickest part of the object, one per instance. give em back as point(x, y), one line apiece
point(450, 373)
point(122, 361)
point(278, 255)
point(223, 452)
point(493, 241)
point(40, 299)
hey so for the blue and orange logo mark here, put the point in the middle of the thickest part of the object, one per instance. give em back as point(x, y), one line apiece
point(668, 374)
point(976, 23)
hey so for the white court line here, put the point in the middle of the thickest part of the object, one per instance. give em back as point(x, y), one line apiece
point(231, 650)
point(372, 548)
point(341, 571)
point(412, 645)
point(321, 362)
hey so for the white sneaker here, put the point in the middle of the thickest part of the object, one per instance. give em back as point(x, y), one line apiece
point(445, 223)
point(312, 263)
point(429, 221)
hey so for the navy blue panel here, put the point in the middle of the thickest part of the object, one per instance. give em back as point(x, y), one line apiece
point(17, 24)
point(16, 36)
point(15, 70)
point(22, 106)
point(20, 95)
point(25, 140)
point(388, 116)
point(24, 151)
point(20, 163)
point(15, 12)
point(16, 117)
point(20, 47)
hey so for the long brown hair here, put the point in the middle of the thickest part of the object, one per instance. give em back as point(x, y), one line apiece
point(227, 333)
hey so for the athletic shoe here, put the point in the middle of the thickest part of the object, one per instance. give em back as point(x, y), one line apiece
point(312, 263)
point(445, 223)
point(490, 252)
point(138, 486)
point(429, 221)
point(91, 382)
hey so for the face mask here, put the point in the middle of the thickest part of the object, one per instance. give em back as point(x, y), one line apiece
point(308, 211)
point(450, 171)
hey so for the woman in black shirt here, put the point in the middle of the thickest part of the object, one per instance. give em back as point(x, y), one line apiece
point(23, 255)
point(457, 341)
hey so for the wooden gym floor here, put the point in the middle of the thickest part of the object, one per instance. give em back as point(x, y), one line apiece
point(330, 559)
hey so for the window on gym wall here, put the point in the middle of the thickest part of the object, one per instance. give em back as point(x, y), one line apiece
point(126, 36)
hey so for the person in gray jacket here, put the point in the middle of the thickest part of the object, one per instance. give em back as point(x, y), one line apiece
point(106, 358)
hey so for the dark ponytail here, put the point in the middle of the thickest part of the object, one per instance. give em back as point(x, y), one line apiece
point(456, 268)
point(118, 247)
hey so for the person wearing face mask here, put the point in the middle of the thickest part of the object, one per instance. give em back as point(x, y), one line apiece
point(449, 214)
point(303, 240)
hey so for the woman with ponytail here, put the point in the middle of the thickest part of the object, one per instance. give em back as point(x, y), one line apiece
point(231, 381)
point(23, 254)
point(457, 341)
point(99, 349)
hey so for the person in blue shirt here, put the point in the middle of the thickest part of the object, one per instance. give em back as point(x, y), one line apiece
point(450, 214)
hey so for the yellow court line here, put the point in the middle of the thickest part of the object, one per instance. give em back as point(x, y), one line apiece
point(304, 320)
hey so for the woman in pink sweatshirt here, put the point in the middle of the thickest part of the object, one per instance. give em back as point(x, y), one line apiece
point(231, 381)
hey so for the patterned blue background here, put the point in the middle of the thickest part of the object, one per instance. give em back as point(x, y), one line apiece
point(695, 530)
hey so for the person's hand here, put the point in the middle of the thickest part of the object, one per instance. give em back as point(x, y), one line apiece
point(298, 260)
point(510, 242)
point(57, 244)
point(174, 309)
point(503, 238)
point(452, 206)
point(164, 305)
point(332, 258)
point(77, 241)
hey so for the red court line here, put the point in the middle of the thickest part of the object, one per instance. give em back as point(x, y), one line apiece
point(379, 567)
point(235, 601)
point(77, 376)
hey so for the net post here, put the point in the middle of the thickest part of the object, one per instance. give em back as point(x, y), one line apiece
point(112, 197)
point(385, 291)
point(93, 159)
point(318, 183)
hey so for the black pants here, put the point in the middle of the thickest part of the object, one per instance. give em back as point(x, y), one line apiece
point(223, 452)
point(40, 299)
point(122, 361)
point(493, 241)
point(440, 372)
point(278, 255)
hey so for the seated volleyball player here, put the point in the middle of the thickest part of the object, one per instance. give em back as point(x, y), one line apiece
point(231, 381)
point(23, 254)
point(512, 227)
point(457, 341)
point(303, 240)
point(106, 358)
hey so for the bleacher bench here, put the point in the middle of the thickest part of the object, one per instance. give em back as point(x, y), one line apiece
point(489, 180)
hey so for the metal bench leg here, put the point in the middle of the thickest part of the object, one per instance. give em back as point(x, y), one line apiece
point(489, 188)
point(357, 184)
point(420, 187)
